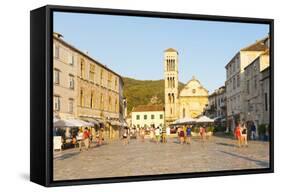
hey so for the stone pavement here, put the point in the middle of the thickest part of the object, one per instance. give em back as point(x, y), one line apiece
point(148, 158)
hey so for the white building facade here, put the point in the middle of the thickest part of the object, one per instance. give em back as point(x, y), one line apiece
point(145, 116)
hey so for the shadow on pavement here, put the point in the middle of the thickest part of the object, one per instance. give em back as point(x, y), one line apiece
point(226, 144)
point(258, 162)
point(97, 146)
point(66, 156)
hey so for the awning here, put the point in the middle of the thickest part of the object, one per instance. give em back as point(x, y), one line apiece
point(116, 123)
point(204, 119)
point(186, 120)
point(70, 123)
point(92, 122)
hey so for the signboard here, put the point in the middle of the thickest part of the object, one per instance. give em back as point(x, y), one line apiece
point(57, 143)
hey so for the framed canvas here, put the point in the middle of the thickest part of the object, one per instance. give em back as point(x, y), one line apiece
point(123, 95)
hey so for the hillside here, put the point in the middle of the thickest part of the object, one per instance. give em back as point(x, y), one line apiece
point(140, 92)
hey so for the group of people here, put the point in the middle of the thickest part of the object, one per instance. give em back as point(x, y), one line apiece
point(241, 134)
point(85, 137)
point(157, 134)
point(184, 134)
point(161, 135)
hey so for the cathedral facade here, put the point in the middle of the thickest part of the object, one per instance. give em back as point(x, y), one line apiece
point(190, 101)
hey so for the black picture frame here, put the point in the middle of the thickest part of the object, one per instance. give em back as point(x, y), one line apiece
point(41, 94)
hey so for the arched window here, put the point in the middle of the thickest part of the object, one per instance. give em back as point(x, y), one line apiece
point(183, 112)
point(170, 84)
point(168, 80)
point(173, 97)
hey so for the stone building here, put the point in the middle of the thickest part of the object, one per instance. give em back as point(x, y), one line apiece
point(144, 116)
point(188, 102)
point(192, 99)
point(265, 95)
point(64, 80)
point(216, 107)
point(235, 78)
point(171, 85)
point(87, 89)
point(256, 94)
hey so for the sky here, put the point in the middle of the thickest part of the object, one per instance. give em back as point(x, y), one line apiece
point(134, 46)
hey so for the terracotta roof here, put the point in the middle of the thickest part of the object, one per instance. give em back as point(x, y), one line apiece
point(257, 46)
point(170, 50)
point(142, 108)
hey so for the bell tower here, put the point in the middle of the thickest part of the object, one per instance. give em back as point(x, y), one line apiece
point(171, 85)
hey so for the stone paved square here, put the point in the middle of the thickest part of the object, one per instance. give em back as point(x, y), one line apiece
point(115, 159)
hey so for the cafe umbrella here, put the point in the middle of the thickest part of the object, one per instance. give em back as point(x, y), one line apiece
point(204, 119)
point(182, 121)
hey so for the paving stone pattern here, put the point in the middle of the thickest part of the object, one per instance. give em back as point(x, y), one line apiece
point(116, 159)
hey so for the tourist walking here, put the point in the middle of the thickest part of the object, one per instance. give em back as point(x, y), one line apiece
point(168, 132)
point(244, 135)
point(164, 135)
point(253, 131)
point(188, 135)
point(238, 134)
point(86, 138)
point(79, 139)
point(202, 132)
point(157, 134)
point(125, 137)
point(181, 135)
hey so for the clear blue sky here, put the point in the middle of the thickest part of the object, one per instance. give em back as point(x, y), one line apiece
point(133, 46)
